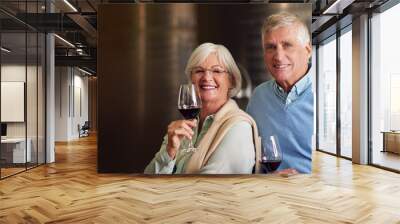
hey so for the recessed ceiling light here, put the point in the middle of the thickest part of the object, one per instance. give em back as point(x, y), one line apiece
point(70, 5)
point(84, 71)
point(65, 41)
point(337, 7)
point(5, 50)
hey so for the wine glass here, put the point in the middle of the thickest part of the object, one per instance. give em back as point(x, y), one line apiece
point(189, 104)
point(271, 155)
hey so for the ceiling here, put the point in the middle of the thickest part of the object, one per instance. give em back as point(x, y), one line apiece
point(76, 22)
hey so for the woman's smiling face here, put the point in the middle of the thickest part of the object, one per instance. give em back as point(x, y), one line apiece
point(212, 80)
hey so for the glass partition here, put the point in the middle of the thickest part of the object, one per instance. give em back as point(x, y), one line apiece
point(32, 95)
point(41, 85)
point(13, 91)
point(22, 88)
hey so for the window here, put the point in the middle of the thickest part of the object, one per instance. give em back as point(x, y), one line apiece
point(385, 89)
point(327, 96)
point(346, 75)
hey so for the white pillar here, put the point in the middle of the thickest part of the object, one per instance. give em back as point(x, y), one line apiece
point(360, 90)
point(50, 91)
point(63, 101)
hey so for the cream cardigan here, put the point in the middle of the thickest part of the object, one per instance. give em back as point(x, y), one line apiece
point(224, 119)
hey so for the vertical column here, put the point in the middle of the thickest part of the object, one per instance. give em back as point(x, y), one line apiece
point(360, 90)
point(50, 93)
point(63, 114)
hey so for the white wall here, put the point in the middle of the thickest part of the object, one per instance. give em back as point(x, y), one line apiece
point(13, 73)
point(71, 94)
point(81, 103)
point(62, 81)
point(16, 73)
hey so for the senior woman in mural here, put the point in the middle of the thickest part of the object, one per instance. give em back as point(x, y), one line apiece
point(225, 136)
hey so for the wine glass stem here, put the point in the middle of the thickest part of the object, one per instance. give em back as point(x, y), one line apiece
point(190, 144)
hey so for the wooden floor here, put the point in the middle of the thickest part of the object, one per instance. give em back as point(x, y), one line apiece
point(71, 191)
point(387, 159)
point(10, 171)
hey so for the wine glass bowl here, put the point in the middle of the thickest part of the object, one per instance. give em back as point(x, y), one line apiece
point(271, 155)
point(189, 105)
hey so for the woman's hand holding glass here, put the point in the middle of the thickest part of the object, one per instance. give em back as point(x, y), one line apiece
point(189, 105)
point(177, 131)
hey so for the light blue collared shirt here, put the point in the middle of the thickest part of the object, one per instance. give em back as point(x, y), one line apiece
point(290, 116)
point(296, 90)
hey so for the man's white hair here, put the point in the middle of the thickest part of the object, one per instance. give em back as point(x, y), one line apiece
point(285, 19)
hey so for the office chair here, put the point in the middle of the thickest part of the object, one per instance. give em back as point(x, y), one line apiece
point(84, 130)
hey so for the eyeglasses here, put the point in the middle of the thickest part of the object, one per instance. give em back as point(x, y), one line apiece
point(214, 71)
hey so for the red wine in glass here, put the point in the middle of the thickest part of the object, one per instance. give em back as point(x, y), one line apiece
point(190, 113)
point(271, 156)
point(270, 165)
point(189, 104)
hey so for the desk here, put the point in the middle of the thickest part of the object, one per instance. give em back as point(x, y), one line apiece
point(391, 141)
point(13, 150)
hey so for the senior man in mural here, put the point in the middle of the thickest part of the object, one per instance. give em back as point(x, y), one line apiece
point(284, 106)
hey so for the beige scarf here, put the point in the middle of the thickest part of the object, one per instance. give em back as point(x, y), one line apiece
point(224, 119)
